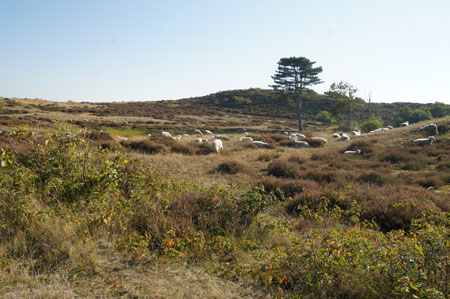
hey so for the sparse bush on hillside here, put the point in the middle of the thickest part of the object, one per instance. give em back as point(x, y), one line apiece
point(231, 167)
point(283, 169)
point(372, 124)
point(325, 117)
point(143, 146)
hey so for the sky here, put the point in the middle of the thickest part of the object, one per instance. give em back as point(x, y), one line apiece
point(132, 50)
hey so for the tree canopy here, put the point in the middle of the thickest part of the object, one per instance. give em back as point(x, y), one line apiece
point(294, 74)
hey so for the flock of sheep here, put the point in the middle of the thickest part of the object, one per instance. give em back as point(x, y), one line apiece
point(217, 145)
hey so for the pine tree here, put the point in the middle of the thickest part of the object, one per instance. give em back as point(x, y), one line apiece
point(294, 74)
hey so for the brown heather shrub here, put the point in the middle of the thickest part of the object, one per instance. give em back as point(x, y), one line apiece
point(267, 157)
point(286, 143)
point(289, 187)
point(297, 159)
point(367, 147)
point(322, 157)
point(276, 137)
point(231, 167)
point(163, 140)
point(444, 166)
point(183, 149)
point(203, 149)
point(372, 178)
point(321, 176)
point(143, 146)
point(397, 157)
point(98, 136)
point(283, 169)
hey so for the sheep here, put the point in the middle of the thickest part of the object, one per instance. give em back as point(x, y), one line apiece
point(320, 138)
point(177, 138)
point(246, 139)
point(166, 134)
point(376, 130)
point(424, 141)
point(357, 152)
point(149, 135)
point(208, 132)
point(197, 132)
point(356, 133)
point(344, 137)
point(245, 133)
point(201, 140)
point(285, 133)
point(336, 135)
point(125, 121)
point(222, 137)
point(186, 135)
point(430, 129)
point(122, 138)
point(217, 145)
point(300, 143)
point(404, 124)
point(390, 127)
point(260, 144)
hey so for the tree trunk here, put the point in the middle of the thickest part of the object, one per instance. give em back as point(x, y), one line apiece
point(298, 107)
point(348, 115)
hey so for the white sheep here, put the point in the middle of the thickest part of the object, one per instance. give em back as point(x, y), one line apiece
point(404, 124)
point(186, 135)
point(376, 130)
point(166, 134)
point(357, 152)
point(197, 132)
point(356, 133)
point(336, 135)
point(344, 137)
point(300, 143)
point(246, 139)
point(177, 138)
point(390, 127)
point(222, 137)
point(208, 132)
point(245, 133)
point(122, 138)
point(149, 135)
point(430, 129)
point(286, 133)
point(260, 144)
point(424, 141)
point(320, 139)
point(217, 145)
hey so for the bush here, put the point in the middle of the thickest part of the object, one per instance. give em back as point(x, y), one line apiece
point(99, 136)
point(283, 169)
point(372, 124)
point(325, 117)
point(282, 187)
point(143, 146)
point(372, 178)
point(231, 167)
point(183, 149)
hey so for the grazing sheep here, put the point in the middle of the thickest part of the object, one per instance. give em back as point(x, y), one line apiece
point(285, 133)
point(344, 137)
point(245, 133)
point(336, 135)
point(260, 144)
point(298, 144)
point(166, 134)
point(217, 145)
point(430, 129)
point(390, 127)
point(122, 138)
point(356, 133)
point(424, 141)
point(208, 132)
point(246, 139)
point(222, 137)
point(149, 135)
point(197, 132)
point(53, 121)
point(377, 130)
point(320, 139)
point(125, 121)
point(86, 120)
point(201, 140)
point(186, 135)
point(357, 152)
point(177, 138)
point(404, 124)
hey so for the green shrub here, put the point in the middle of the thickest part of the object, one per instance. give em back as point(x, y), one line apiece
point(325, 117)
point(372, 124)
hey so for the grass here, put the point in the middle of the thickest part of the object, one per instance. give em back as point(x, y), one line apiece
point(81, 220)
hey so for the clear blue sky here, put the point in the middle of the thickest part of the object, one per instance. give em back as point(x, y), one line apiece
point(107, 50)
